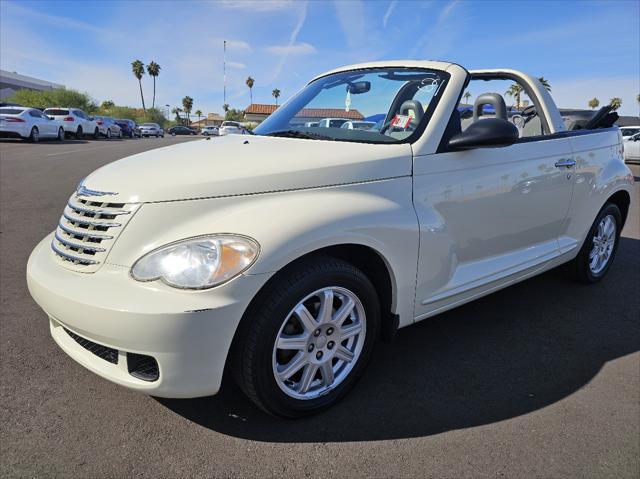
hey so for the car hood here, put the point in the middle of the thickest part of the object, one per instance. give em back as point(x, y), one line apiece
point(240, 165)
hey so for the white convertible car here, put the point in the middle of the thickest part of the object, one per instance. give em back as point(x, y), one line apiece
point(286, 255)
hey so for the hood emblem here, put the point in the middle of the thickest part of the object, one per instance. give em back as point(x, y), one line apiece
point(84, 191)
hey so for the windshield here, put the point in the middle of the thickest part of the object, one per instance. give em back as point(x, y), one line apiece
point(381, 105)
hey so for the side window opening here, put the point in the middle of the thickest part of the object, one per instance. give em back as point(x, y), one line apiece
point(500, 98)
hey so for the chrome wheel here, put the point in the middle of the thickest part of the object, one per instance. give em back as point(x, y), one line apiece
point(319, 343)
point(603, 242)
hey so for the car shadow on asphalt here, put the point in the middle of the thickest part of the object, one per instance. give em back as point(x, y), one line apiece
point(505, 355)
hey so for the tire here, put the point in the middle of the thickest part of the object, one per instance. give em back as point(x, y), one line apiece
point(34, 136)
point(120, 135)
point(96, 134)
point(585, 267)
point(60, 134)
point(79, 133)
point(108, 133)
point(271, 315)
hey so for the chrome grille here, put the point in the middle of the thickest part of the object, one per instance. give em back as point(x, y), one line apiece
point(87, 231)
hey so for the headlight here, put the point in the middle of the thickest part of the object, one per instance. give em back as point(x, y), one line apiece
point(198, 263)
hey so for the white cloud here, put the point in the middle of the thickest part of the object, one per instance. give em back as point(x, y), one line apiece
point(52, 20)
point(296, 49)
point(437, 40)
point(256, 5)
point(237, 45)
point(236, 65)
point(351, 19)
point(390, 8)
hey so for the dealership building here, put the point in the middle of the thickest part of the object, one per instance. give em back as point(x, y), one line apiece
point(11, 82)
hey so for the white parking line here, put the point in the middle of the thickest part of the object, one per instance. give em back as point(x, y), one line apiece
point(77, 151)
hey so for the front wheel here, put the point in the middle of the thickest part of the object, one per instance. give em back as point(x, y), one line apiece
point(108, 133)
point(60, 134)
point(120, 135)
point(96, 134)
point(600, 246)
point(308, 337)
point(79, 133)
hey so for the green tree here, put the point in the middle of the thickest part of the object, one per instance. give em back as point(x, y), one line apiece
point(234, 115)
point(176, 111)
point(515, 90)
point(544, 83)
point(276, 94)
point(187, 105)
point(137, 67)
point(594, 103)
point(153, 69)
point(59, 97)
point(250, 81)
point(198, 114)
point(107, 105)
point(615, 103)
point(466, 97)
point(225, 107)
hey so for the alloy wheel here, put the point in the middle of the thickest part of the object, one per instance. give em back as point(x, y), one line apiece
point(603, 242)
point(319, 343)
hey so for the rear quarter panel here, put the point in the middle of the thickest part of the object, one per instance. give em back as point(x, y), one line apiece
point(599, 173)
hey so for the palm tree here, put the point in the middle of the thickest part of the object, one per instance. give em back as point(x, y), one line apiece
point(515, 90)
point(199, 114)
point(615, 103)
point(466, 97)
point(153, 69)
point(594, 103)
point(250, 81)
point(225, 107)
point(187, 104)
point(176, 111)
point(276, 94)
point(544, 83)
point(137, 67)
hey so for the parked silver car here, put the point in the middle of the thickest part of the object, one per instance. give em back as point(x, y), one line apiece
point(108, 127)
point(151, 129)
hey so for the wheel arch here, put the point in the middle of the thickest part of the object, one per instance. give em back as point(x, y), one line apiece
point(622, 199)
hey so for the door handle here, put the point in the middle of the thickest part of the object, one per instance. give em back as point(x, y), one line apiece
point(566, 163)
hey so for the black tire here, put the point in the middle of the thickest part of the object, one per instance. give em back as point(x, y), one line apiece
point(96, 134)
point(579, 268)
point(253, 348)
point(60, 134)
point(108, 135)
point(34, 136)
point(79, 133)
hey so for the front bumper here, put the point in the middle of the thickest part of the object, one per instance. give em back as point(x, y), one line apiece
point(188, 333)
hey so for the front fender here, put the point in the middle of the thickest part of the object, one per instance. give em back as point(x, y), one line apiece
point(290, 224)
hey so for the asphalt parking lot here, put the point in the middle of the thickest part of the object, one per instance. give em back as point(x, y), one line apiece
point(539, 380)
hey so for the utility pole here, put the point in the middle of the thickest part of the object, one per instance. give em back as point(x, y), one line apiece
point(224, 72)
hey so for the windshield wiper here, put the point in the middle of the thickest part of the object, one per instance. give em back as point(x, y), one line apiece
point(299, 134)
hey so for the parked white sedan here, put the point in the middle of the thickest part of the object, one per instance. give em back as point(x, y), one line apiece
point(632, 149)
point(74, 121)
point(29, 124)
point(231, 128)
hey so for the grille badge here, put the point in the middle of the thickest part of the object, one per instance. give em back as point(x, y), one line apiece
point(84, 191)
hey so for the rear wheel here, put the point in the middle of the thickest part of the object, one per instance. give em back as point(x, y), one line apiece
point(60, 134)
point(120, 135)
point(308, 338)
point(599, 249)
point(34, 136)
point(96, 134)
point(79, 133)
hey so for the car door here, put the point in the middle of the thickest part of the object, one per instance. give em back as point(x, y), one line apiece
point(42, 122)
point(487, 216)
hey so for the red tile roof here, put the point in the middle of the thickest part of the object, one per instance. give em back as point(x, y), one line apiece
point(261, 109)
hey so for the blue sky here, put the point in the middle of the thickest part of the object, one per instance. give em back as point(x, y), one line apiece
point(584, 48)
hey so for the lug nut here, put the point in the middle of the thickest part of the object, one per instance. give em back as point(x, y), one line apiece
point(330, 344)
point(319, 355)
point(317, 332)
point(330, 331)
point(311, 346)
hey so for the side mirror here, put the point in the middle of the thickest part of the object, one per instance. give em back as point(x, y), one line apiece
point(487, 133)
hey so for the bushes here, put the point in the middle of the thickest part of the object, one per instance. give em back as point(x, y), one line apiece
point(61, 97)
